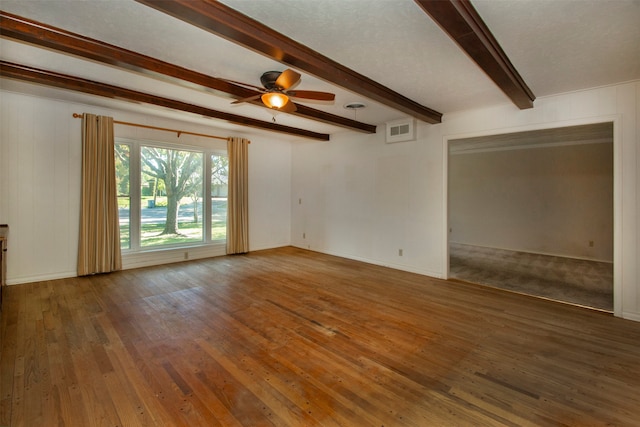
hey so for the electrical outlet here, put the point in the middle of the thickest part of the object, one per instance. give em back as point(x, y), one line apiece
point(399, 252)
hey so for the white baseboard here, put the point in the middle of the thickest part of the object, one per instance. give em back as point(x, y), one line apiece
point(631, 316)
point(394, 266)
point(535, 252)
point(41, 277)
point(266, 247)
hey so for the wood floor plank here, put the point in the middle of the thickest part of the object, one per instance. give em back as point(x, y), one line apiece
point(289, 337)
point(262, 366)
point(133, 386)
point(193, 371)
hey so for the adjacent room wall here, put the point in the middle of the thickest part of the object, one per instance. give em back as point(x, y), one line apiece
point(40, 161)
point(358, 197)
point(554, 200)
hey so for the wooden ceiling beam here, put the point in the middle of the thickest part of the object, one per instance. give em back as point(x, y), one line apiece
point(461, 21)
point(43, 35)
point(216, 18)
point(50, 78)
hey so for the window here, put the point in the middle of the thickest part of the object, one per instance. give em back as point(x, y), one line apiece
point(170, 196)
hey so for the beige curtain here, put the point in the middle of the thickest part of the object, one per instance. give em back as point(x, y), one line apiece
point(238, 199)
point(99, 248)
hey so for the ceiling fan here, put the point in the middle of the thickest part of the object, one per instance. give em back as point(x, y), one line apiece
point(277, 92)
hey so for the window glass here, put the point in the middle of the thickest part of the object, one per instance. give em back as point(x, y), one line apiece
point(122, 153)
point(170, 196)
point(219, 191)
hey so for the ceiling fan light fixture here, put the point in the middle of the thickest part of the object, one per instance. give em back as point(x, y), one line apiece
point(274, 99)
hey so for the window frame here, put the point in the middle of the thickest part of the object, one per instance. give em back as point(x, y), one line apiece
point(135, 208)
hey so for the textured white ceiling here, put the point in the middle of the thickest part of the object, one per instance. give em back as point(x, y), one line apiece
point(565, 45)
point(557, 46)
point(392, 42)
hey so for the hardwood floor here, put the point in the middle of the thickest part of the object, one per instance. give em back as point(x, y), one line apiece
point(288, 337)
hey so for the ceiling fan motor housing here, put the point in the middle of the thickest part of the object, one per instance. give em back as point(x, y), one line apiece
point(268, 79)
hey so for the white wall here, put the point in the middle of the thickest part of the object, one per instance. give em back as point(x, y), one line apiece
point(40, 162)
point(269, 193)
point(364, 199)
point(552, 200)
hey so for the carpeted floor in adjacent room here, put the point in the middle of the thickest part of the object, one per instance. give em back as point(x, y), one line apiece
point(582, 282)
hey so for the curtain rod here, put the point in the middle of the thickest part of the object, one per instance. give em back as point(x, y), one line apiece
point(179, 132)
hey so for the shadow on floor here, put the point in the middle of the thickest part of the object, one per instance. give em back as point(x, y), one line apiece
point(582, 282)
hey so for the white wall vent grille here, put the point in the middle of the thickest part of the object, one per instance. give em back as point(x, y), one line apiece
point(401, 130)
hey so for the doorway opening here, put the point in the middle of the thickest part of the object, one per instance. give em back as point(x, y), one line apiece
point(532, 212)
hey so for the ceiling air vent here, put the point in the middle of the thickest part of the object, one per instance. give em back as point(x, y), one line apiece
point(401, 130)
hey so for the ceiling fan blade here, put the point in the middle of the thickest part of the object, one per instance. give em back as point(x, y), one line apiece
point(287, 79)
point(289, 107)
point(250, 98)
point(312, 94)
